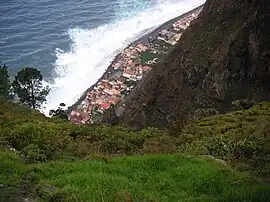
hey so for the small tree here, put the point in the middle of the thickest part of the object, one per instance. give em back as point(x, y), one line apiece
point(60, 112)
point(28, 86)
point(4, 81)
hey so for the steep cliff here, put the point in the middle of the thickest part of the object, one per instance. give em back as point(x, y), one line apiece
point(223, 56)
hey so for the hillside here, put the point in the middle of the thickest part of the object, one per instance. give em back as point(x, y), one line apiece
point(52, 160)
point(204, 120)
point(145, 178)
point(223, 56)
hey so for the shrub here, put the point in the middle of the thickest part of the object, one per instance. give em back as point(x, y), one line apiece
point(243, 104)
point(204, 112)
point(33, 153)
point(240, 137)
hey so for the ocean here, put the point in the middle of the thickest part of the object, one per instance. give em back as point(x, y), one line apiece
point(73, 42)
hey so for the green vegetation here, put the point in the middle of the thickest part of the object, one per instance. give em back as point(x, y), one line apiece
point(55, 160)
point(137, 178)
point(211, 157)
point(4, 81)
point(240, 137)
point(28, 86)
point(145, 57)
point(60, 112)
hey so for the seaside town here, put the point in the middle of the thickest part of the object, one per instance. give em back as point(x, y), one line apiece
point(128, 69)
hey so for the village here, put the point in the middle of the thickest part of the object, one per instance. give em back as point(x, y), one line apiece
point(131, 66)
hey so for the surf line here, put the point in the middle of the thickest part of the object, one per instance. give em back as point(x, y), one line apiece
point(128, 69)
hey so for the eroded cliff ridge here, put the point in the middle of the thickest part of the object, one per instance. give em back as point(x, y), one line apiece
point(223, 56)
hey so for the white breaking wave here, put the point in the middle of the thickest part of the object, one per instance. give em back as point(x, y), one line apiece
point(92, 50)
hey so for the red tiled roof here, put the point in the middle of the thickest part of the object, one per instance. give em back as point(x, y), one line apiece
point(104, 106)
point(129, 71)
point(146, 68)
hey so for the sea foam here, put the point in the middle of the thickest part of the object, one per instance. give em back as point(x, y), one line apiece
point(92, 50)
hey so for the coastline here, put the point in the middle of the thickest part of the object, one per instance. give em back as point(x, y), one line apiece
point(149, 33)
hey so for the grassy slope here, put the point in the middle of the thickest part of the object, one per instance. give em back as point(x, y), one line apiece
point(241, 138)
point(136, 178)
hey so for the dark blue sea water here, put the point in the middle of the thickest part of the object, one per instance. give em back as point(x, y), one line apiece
point(31, 30)
point(73, 42)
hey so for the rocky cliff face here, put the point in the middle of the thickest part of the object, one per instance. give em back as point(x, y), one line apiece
point(223, 56)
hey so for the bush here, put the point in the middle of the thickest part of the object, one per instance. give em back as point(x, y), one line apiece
point(242, 104)
point(239, 137)
point(33, 153)
point(203, 113)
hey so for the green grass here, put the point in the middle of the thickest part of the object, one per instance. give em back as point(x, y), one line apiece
point(136, 178)
point(145, 57)
point(79, 162)
point(241, 138)
point(14, 182)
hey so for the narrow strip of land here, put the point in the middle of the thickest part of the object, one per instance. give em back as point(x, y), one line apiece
point(129, 68)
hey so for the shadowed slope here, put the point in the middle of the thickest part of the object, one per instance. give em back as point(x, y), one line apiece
point(223, 56)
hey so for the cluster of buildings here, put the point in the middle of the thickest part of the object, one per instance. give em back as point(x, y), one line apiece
point(126, 71)
point(185, 22)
